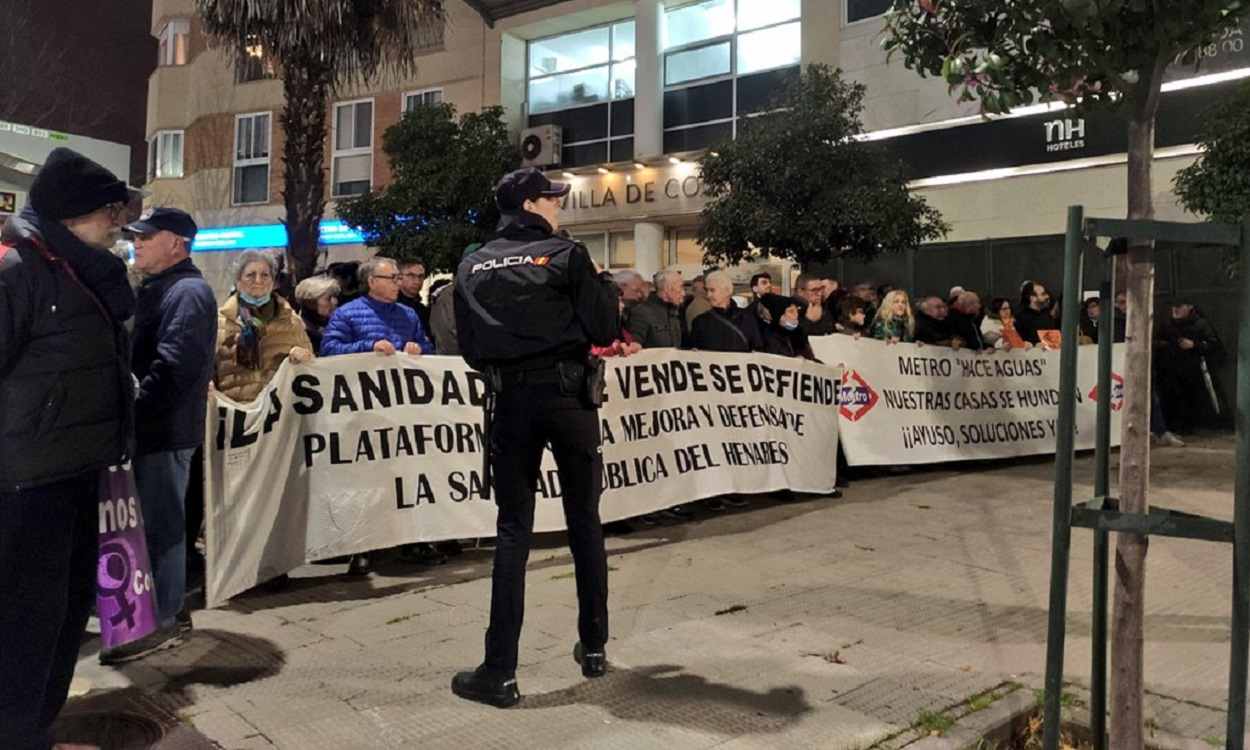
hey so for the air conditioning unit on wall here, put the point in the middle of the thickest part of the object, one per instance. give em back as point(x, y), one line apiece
point(542, 146)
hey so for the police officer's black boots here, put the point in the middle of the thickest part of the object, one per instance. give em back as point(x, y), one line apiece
point(487, 687)
point(594, 664)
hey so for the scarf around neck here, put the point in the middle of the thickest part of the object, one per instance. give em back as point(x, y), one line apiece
point(103, 273)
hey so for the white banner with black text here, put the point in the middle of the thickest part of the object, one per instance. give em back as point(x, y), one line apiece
point(915, 404)
point(364, 452)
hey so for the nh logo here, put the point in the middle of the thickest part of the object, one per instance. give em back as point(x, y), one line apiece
point(1062, 135)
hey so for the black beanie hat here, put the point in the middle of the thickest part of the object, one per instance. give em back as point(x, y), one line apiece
point(69, 184)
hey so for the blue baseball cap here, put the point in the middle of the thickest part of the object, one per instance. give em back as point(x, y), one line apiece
point(165, 220)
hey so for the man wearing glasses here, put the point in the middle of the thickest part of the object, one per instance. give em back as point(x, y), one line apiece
point(65, 408)
point(411, 281)
point(376, 322)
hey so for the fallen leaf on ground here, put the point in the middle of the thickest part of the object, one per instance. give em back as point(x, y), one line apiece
point(733, 609)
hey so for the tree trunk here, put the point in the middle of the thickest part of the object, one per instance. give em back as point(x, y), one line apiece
point(306, 86)
point(1136, 269)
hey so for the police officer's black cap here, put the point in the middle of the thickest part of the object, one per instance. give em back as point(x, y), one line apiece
point(165, 219)
point(526, 184)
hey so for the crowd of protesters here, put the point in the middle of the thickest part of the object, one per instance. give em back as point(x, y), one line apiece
point(708, 316)
point(130, 371)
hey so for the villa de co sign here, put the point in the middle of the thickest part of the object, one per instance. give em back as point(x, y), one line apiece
point(670, 190)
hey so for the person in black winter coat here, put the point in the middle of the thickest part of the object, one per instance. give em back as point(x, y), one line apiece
point(529, 306)
point(1184, 343)
point(66, 415)
point(933, 325)
point(175, 339)
point(726, 327)
point(783, 329)
point(964, 321)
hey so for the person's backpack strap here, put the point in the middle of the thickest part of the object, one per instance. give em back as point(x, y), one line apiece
point(737, 331)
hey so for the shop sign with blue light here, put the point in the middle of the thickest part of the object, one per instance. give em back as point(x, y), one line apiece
point(220, 239)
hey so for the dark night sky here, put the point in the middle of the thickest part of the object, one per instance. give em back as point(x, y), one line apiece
point(79, 66)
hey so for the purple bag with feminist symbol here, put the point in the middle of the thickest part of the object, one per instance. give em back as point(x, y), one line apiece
point(125, 599)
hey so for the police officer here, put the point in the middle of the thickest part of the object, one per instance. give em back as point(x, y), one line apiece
point(528, 306)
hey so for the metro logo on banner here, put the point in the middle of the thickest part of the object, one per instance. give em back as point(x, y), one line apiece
point(855, 397)
point(1117, 392)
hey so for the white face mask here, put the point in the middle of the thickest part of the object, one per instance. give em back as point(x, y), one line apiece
point(789, 325)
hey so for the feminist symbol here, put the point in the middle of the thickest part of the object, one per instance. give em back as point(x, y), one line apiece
point(112, 578)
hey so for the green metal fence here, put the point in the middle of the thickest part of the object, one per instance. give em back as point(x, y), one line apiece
point(1101, 513)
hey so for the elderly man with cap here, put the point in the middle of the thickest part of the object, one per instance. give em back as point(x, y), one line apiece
point(65, 416)
point(529, 305)
point(174, 339)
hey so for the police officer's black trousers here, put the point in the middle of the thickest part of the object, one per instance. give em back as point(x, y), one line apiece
point(528, 417)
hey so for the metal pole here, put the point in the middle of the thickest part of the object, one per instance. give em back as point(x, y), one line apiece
point(1239, 650)
point(1065, 444)
point(1102, 488)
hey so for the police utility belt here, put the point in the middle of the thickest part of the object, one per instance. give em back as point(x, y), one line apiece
point(585, 381)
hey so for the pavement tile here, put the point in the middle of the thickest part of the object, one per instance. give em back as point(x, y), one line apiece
point(817, 624)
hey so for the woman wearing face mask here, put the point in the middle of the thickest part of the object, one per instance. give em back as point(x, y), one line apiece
point(783, 333)
point(256, 331)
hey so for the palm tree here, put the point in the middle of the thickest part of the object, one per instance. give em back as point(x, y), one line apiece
point(319, 47)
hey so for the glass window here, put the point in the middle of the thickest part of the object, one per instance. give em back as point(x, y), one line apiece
point(422, 99)
point(569, 90)
point(858, 10)
point(684, 248)
point(692, 65)
point(695, 23)
point(706, 79)
point(352, 166)
point(174, 35)
point(251, 159)
point(353, 126)
point(775, 47)
point(168, 154)
point(352, 175)
point(754, 14)
point(623, 251)
point(623, 41)
point(581, 49)
point(584, 82)
point(623, 79)
point(251, 184)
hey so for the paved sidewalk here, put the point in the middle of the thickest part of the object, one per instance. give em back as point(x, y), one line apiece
point(814, 624)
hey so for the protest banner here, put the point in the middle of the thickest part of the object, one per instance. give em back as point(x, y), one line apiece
point(125, 593)
point(915, 404)
point(364, 452)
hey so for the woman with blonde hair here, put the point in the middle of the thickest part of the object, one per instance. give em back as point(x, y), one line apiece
point(895, 321)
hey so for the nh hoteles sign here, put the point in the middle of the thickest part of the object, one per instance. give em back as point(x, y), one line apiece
point(637, 193)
